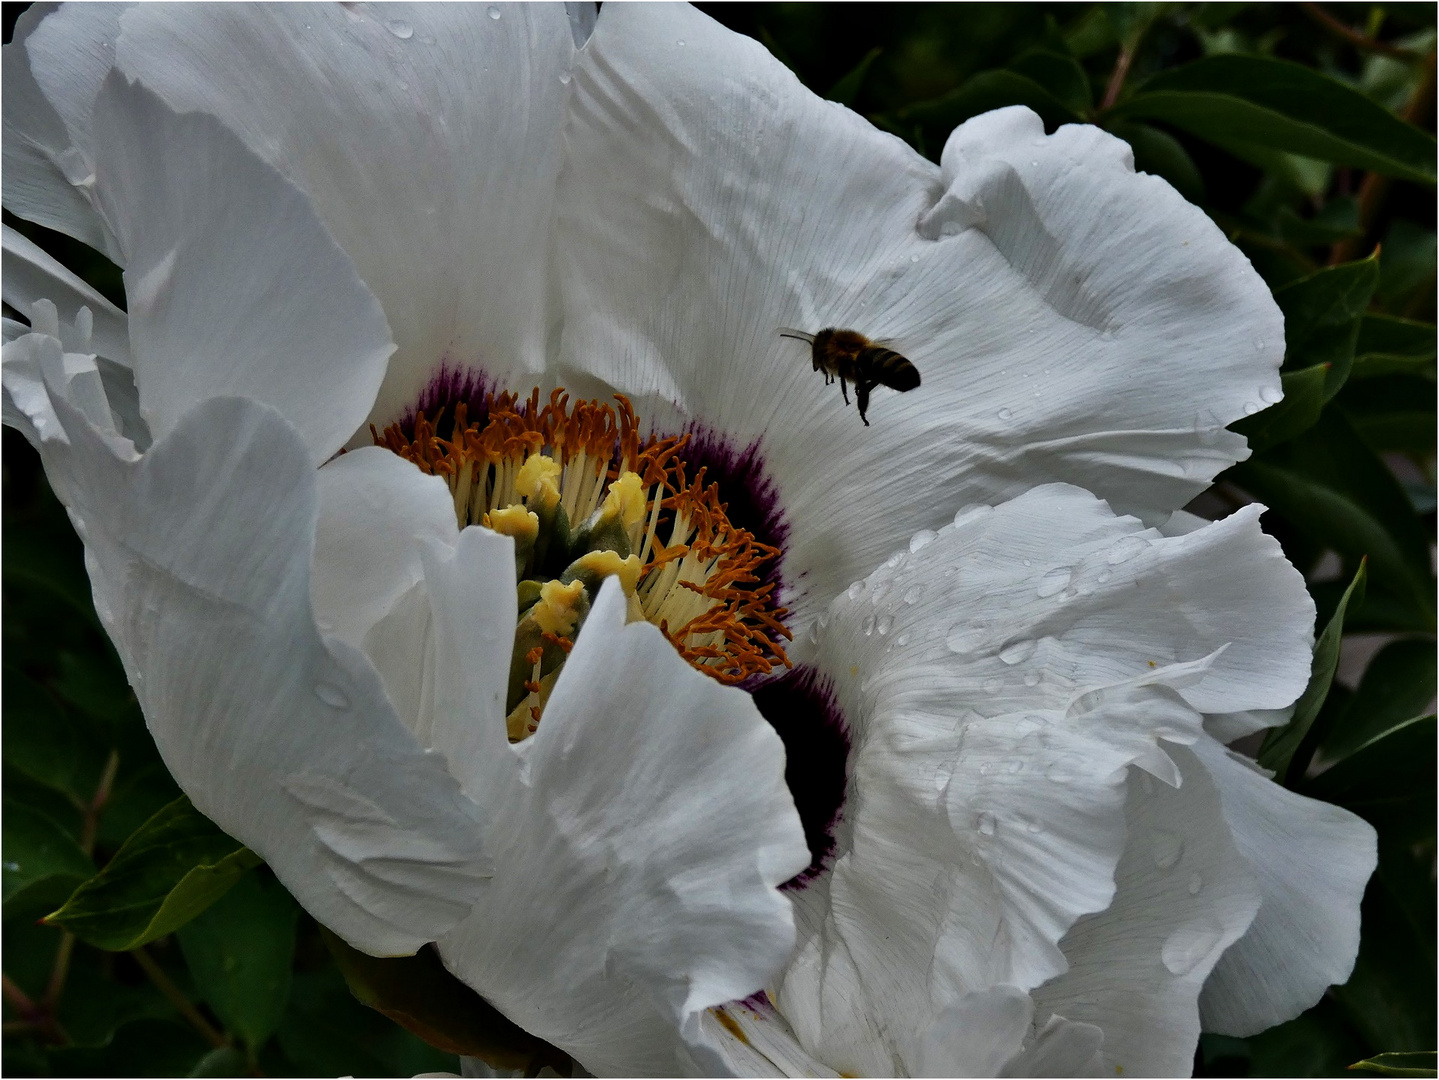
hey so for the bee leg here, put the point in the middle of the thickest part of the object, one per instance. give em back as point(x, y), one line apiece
point(843, 389)
point(861, 397)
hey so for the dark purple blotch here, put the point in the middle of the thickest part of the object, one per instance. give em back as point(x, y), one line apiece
point(800, 705)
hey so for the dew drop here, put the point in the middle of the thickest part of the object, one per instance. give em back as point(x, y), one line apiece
point(914, 593)
point(403, 30)
point(332, 696)
point(1166, 847)
point(1258, 344)
point(1189, 946)
point(1004, 414)
point(1195, 884)
point(922, 539)
point(564, 78)
point(1056, 581)
point(1271, 395)
point(1062, 770)
point(885, 624)
point(970, 511)
point(856, 590)
point(1251, 407)
point(894, 561)
point(993, 684)
point(985, 824)
point(1103, 576)
point(880, 591)
point(1016, 652)
point(1032, 679)
point(966, 637)
point(868, 625)
point(680, 42)
point(1014, 765)
point(903, 639)
point(493, 12)
point(1127, 548)
point(914, 258)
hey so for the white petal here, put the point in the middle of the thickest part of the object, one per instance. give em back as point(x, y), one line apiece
point(649, 827)
point(199, 554)
point(1183, 895)
point(1071, 319)
point(234, 287)
point(31, 274)
point(459, 116)
point(44, 172)
point(996, 681)
point(755, 1040)
point(376, 512)
point(1061, 1048)
point(1312, 861)
point(977, 1035)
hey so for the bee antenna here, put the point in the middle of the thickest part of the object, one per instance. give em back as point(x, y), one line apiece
point(798, 335)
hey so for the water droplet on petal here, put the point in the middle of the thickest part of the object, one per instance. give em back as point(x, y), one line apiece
point(985, 824)
point(403, 30)
point(914, 258)
point(1189, 946)
point(895, 560)
point(966, 637)
point(493, 12)
point(1014, 765)
point(903, 639)
point(1032, 679)
point(1016, 652)
point(868, 625)
point(969, 512)
point(1166, 847)
point(1195, 884)
point(1056, 581)
point(856, 590)
point(1034, 826)
point(1062, 770)
point(914, 593)
point(564, 78)
point(331, 696)
point(880, 592)
point(922, 539)
point(1271, 395)
point(885, 624)
point(1251, 407)
point(1004, 414)
point(1127, 548)
point(992, 684)
point(680, 42)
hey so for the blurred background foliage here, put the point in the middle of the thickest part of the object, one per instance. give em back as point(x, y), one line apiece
point(1304, 130)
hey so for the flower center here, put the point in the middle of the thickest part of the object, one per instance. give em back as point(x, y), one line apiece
point(585, 498)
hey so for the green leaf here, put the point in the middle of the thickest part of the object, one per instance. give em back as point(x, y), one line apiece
point(1388, 335)
point(1059, 73)
point(985, 91)
point(847, 89)
point(422, 997)
point(46, 742)
point(1281, 744)
point(1332, 487)
point(38, 857)
point(1250, 101)
point(174, 867)
point(240, 951)
point(1322, 315)
point(1396, 686)
point(1400, 1063)
point(1318, 1042)
point(1296, 413)
point(1388, 781)
point(143, 1048)
point(1161, 154)
point(222, 1061)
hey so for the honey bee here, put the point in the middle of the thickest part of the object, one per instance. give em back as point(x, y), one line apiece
point(848, 355)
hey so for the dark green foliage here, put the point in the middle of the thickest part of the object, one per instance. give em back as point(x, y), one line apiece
point(1306, 133)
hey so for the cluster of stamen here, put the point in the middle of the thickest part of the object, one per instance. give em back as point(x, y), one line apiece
point(585, 498)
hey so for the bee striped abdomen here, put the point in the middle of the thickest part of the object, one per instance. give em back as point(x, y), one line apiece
point(888, 368)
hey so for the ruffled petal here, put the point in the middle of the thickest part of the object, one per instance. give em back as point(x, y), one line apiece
point(234, 286)
point(45, 173)
point(1071, 319)
point(1312, 861)
point(458, 108)
point(199, 555)
point(648, 828)
point(997, 679)
point(1183, 894)
point(31, 274)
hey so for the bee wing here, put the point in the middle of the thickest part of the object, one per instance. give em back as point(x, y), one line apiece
point(791, 332)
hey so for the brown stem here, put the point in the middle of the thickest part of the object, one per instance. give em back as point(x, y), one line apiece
point(173, 994)
point(1354, 37)
point(1121, 72)
point(33, 1017)
point(18, 999)
point(60, 972)
point(1375, 187)
point(91, 824)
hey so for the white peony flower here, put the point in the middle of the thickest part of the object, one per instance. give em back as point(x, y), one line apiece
point(1025, 846)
